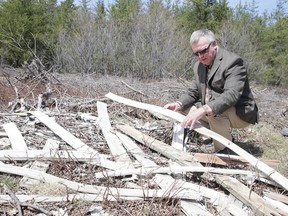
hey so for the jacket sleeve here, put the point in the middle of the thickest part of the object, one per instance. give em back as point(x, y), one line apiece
point(192, 96)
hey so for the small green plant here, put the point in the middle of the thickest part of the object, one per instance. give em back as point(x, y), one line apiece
point(10, 181)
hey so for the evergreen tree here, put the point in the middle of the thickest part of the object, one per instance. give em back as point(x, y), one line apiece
point(64, 17)
point(29, 29)
point(273, 47)
point(196, 14)
point(24, 26)
point(100, 11)
point(125, 10)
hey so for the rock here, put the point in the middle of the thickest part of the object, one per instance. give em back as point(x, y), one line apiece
point(97, 211)
point(284, 131)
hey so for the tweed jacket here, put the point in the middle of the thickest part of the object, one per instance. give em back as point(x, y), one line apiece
point(228, 86)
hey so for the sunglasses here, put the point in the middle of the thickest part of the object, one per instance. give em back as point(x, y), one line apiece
point(202, 52)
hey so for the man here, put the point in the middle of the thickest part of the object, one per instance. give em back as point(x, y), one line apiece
point(221, 86)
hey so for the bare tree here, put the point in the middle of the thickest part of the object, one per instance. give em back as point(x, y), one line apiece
point(149, 46)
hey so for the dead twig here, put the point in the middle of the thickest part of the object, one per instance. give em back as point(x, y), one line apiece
point(14, 198)
point(20, 205)
point(37, 208)
point(133, 89)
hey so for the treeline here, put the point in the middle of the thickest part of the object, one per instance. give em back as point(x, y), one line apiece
point(143, 39)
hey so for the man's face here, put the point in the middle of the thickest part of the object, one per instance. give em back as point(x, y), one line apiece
point(204, 51)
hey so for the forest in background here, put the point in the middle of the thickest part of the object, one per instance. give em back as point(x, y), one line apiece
point(141, 39)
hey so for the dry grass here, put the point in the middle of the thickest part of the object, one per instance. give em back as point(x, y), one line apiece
point(273, 145)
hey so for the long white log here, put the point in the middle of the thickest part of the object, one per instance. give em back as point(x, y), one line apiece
point(69, 138)
point(268, 171)
point(66, 198)
point(171, 169)
point(70, 155)
point(116, 148)
point(176, 192)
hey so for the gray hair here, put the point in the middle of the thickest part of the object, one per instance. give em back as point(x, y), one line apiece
point(206, 33)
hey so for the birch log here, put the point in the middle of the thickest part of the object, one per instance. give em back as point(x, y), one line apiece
point(268, 171)
point(15, 136)
point(73, 141)
point(67, 198)
point(187, 206)
point(176, 192)
point(117, 150)
point(248, 197)
point(167, 170)
point(44, 155)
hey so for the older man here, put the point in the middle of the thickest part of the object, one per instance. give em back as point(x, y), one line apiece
point(221, 86)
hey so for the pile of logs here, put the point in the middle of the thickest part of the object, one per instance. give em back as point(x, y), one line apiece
point(127, 160)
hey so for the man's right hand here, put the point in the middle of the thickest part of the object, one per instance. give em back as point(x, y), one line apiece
point(174, 106)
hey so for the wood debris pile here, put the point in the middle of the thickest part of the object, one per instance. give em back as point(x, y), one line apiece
point(114, 165)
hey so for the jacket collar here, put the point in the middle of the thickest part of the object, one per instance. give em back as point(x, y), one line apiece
point(216, 62)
